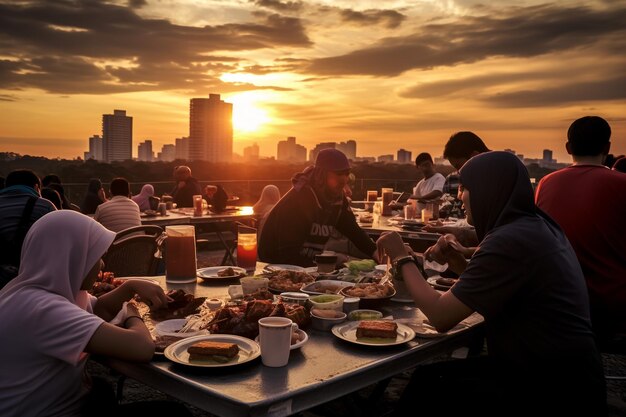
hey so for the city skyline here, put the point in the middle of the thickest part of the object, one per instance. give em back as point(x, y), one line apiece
point(398, 74)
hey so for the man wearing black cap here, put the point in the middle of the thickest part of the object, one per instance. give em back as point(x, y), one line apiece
point(301, 223)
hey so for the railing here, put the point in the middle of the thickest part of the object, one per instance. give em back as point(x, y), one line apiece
point(248, 191)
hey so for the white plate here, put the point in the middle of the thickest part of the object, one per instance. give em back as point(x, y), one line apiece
point(248, 350)
point(172, 327)
point(303, 339)
point(347, 332)
point(433, 281)
point(278, 267)
point(426, 330)
point(210, 274)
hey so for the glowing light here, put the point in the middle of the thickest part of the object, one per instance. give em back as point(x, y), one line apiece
point(247, 115)
point(246, 210)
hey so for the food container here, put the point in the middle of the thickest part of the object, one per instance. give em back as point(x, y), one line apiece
point(326, 286)
point(326, 323)
point(358, 315)
point(327, 302)
point(252, 284)
point(326, 262)
point(295, 298)
point(370, 302)
point(350, 304)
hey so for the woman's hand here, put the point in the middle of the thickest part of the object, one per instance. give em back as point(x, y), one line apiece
point(391, 244)
point(448, 250)
point(149, 293)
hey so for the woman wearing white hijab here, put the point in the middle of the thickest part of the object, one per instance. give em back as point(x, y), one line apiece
point(143, 198)
point(50, 323)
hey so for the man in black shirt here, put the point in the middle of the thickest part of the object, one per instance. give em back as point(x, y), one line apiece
point(300, 224)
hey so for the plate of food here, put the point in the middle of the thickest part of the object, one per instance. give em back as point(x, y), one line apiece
point(371, 294)
point(374, 332)
point(441, 283)
point(423, 328)
point(213, 351)
point(282, 267)
point(288, 281)
point(298, 339)
point(218, 273)
point(326, 286)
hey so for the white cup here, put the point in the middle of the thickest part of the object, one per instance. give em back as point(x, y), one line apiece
point(275, 339)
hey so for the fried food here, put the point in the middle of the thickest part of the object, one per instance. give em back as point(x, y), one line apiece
point(377, 328)
point(226, 272)
point(368, 291)
point(218, 351)
point(285, 281)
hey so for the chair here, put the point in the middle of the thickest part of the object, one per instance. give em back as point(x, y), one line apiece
point(149, 230)
point(132, 256)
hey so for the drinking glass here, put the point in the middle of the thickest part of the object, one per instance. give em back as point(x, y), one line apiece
point(372, 195)
point(246, 248)
point(197, 205)
point(180, 256)
point(387, 194)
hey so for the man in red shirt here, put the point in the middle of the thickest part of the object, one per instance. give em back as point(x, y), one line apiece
point(588, 201)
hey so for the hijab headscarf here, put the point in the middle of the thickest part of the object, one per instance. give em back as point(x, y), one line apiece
point(143, 198)
point(500, 190)
point(58, 252)
point(269, 197)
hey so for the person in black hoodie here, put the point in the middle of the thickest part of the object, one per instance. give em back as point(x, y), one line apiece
point(186, 187)
point(299, 225)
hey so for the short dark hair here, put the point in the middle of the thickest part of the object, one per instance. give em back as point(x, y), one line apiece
point(23, 177)
point(588, 136)
point(423, 157)
point(463, 144)
point(120, 186)
point(50, 179)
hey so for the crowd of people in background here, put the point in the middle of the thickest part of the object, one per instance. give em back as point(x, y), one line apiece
point(545, 269)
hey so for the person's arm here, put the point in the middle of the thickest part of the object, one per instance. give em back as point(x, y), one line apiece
point(130, 342)
point(444, 311)
point(348, 226)
point(465, 235)
point(448, 250)
point(430, 196)
point(110, 303)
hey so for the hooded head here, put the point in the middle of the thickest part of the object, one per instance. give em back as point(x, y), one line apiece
point(328, 177)
point(499, 190)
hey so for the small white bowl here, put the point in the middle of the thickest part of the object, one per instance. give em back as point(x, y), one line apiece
point(295, 297)
point(363, 314)
point(326, 323)
point(327, 302)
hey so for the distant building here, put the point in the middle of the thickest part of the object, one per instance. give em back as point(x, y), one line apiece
point(96, 148)
point(144, 151)
point(404, 156)
point(288, 150)
point(366, 159)
point(385, 158)
point(547, 155)
point(251, 153)
point(324, 145)
point(210, 129)
point(182, 148)
point(167, 154)
point(117, 135)
point(348, 148)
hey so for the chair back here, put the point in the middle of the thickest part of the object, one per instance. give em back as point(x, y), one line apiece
point(132, 256)
point(149, 230)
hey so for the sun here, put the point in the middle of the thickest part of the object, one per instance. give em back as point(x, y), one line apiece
point(247, 115)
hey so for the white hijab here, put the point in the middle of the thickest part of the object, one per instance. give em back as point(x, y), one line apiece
point(143, 198)
point(269, 197)
point(58, 252)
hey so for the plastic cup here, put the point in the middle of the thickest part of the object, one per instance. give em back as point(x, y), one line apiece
point(180, 256)
point(246, 248)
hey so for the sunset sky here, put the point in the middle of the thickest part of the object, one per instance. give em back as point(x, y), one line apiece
point(388, 74)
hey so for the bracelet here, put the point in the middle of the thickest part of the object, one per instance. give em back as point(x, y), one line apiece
point(132, 317)
point(398, 263)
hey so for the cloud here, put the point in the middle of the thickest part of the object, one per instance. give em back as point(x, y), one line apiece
point(94, 47)
point(391, 18)
point(281, 6)
point(520, 32)
point(137, 3)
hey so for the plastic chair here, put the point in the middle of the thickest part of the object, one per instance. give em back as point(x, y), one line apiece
point(132, 256)
point(149, 230)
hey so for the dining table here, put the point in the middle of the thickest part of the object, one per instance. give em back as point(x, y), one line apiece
point(324, 368)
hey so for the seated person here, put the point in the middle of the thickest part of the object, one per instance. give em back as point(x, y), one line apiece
point(186, 187)
point(55, 324)
point(120, 212)
point(216, 197)
point(301, 223)
point(20, 206)
point(525, 281)
point(52, 196)
point(269, 197)
point(94, 197)
point(430, 187)
point(145, 199)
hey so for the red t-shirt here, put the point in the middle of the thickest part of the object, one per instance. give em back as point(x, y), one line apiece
point(589, 203)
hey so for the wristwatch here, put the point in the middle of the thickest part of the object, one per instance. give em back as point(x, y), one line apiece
point(397, 265)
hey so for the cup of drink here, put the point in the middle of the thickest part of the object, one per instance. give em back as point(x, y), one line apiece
point(409, 212)
point(387, 195)
point(427, 214)
point(372, 195)
point(180, 255)
point(162, 209)
point(434, 208)
point(246, 248)
point(197, 205)
point(275, 340)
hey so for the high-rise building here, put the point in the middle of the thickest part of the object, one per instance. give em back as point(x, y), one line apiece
point(167, 154)
point(210, 129)
point(404, 156)
point(144, 151)
point(96, 150)
point(117, 135)
point(182, 148)
point(289, 150)
point(251, 153)
point(324, 145)
point(348, 148)
point(547, 155)
point(385, 158)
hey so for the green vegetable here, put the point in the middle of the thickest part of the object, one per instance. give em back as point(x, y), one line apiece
point(362, 265)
